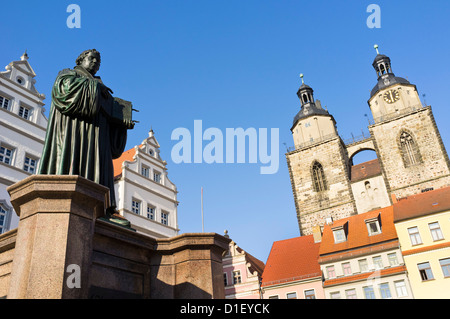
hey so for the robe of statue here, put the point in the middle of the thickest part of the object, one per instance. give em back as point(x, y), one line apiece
point(80, 140)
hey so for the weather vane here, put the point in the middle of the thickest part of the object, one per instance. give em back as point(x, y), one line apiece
point(301, 76)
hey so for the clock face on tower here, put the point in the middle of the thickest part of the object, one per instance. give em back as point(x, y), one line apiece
point(391, 96)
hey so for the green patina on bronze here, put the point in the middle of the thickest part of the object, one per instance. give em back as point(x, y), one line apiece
point(87, 126)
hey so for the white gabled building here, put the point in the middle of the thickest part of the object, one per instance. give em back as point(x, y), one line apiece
point(145, 195)
point(22, 132)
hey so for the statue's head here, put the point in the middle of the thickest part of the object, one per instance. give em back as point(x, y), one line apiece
point(90, 60)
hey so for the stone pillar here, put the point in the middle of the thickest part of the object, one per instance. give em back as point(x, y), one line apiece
point(56, 228)
point(189, 266)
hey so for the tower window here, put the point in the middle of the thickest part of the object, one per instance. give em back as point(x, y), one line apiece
point(4, 102)
point(410, 151)
point(319, 181)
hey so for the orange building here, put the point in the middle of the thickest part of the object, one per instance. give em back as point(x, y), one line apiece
point(360, 258)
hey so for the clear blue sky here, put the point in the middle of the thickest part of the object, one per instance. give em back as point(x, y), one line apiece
point(236, 64)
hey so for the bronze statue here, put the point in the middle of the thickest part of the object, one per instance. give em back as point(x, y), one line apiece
point(87, 127)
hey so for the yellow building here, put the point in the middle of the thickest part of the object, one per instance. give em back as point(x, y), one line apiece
point(423, 227)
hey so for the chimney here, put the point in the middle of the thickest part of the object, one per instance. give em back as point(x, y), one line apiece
point(317, 234)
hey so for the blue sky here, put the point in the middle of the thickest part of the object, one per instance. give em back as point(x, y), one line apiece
point(236, 64)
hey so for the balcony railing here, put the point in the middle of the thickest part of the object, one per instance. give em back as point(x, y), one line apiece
point(312, 142)
point(396, 114)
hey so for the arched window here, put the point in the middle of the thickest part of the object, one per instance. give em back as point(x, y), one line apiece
point(410, 151)
point(318, 175)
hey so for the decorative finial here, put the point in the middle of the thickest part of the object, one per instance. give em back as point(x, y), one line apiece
point(226, 234)
point(24, 56)
point(376, 48)
point(301, 76)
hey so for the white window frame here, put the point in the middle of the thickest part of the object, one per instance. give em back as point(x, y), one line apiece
point(393, 259)
point(27, 167)
point(345, 269)
point(351, 293)
point(414, 237)
point(2, 102)
point(339, 235)
point(4, 157)
point(365, 263)
point(328, 268)
point(157, 177)
point(376, 223)
point(136, 206)
point(436, 232)
point(4, 211)
point(291, 293)
point(26, 111)
point(145, 171)
point(164, 217)
point(377, 262)
point(401, 289)
point(151, 215)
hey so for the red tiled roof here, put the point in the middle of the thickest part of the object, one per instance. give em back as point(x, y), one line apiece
point(117, 163)
point(365, 170)
point(357, 233)
point(430, 202)
point(292, 259)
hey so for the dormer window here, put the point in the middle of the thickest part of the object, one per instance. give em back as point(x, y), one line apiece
point(373, 226)
point(340, 233)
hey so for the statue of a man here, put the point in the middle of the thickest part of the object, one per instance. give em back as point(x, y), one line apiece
point(87, 127)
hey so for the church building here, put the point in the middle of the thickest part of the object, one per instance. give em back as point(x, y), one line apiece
point(411, 157)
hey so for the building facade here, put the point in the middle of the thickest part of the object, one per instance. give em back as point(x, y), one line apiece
point(360, 258)
point(145, 194)
point(423, 226)
point(242, 273)
point(22, 132)
point(411, 157)
point(292, 270)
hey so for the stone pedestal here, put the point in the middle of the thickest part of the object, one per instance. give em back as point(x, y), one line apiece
point(56, 227)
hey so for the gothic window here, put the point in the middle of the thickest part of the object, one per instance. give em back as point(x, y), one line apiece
point(409, 149)
point(319, 181)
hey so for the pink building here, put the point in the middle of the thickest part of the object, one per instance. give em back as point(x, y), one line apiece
point(241, 273)
point(292, 270)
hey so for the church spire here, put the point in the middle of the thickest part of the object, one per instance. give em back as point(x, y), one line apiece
point(24, 56)
point(382, 63)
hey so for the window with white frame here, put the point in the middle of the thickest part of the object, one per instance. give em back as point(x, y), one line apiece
point(369, 293)
point(400, 288)
point(392, 257)
point(25, 112)
point(237, 277)
point(414, 236)
point(273, 297)
point(136, 206)
point(145, 171)
point(339, 235)
point(331, 273)
point(4, 102)
point(29, 165)
point(363, 265)
point(335, 295)
point(6, 154)
point(377, 262)
point(373, 226)
point(350, 294)
point(445, 265)
point(385, 291)
point(157, 176)
point(435, 231)
point(164, 218)
point(310, 294)
point(151, 211)
point(346, 269)
point(291, 295)
point(425, 271)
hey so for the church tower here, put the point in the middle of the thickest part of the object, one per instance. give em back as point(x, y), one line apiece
point(318, 165)
point(407, 141)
